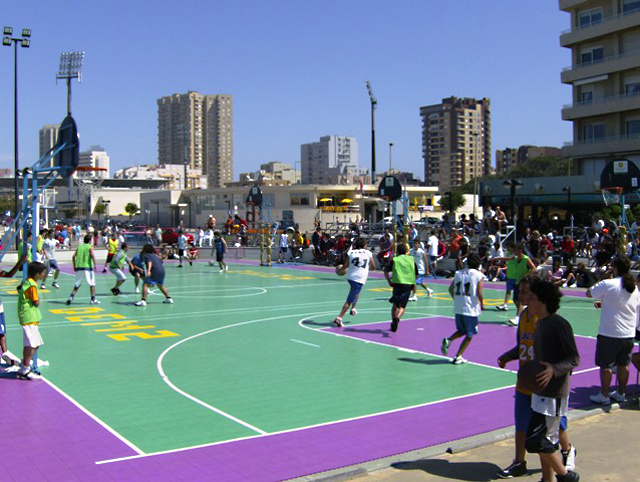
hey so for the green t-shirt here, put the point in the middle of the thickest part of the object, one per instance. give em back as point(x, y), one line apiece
point(404, 270)
point(21, 247)
point(517, 269)
point(83, 257)
point(28, 313)
point(118, 260)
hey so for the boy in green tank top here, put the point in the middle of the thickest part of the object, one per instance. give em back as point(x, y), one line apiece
point(402, 279)
point(30, 316)
point(84, 263)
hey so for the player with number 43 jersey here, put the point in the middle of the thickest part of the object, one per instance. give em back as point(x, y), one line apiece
point(360, 261)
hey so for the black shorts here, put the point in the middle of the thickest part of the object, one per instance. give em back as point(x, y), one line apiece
point(401, 295)
point(542, 434)
point(181, 252)
point(219, 257)
point(612, 352)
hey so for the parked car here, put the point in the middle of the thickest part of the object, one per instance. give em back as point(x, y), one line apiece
point(170, 236)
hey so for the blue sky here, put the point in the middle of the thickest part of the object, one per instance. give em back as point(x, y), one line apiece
point(296, 70)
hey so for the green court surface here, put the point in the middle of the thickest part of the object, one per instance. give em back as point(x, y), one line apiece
point(244, 353)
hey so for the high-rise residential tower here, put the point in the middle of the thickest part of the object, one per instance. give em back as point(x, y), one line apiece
point(604, 39)
point(456, 141)
point(197, 129)
point(48, 136)
point(332, 160)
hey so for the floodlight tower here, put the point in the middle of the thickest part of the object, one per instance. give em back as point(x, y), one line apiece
point(7, 40)
point(70, 68)
point(374, 103)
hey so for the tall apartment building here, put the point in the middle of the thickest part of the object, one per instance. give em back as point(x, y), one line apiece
point(48, 136)
point(198, 128)
point(96, 156)
point(332, 160)
point(509, 157)
point(604, 39)
point(456, 141)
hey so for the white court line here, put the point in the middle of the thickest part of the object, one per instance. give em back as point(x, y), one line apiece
point(305, 343)
point(399, 348)
point(95, 419)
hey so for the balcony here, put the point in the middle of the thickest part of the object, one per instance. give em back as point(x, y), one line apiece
point(606, 105)
point(607, 65)
point(567, 5)
point(617, 145)
point(606, 26)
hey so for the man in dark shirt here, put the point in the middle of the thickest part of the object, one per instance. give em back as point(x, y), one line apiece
point(555, 347)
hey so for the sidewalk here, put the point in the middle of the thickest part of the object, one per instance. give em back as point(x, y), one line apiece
point(606, 445)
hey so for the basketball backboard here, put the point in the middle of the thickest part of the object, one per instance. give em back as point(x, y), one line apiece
point(621, 173)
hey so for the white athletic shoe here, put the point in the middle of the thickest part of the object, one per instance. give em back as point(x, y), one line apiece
point(446, 342)
point(458, 360)
point(140, 303)
point(413, 298)
point(503, 307)
point(617, 397)
point(10, 358)
point(168, 300)
point(338, 322)
point(137, 290)
point(43, 286)
point(514, 321)
point(55, 284)
point(353, 312)
point(429, 292)
point(600, 399)
point(95, 301)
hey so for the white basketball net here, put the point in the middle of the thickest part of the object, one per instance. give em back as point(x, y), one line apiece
point(610, 196)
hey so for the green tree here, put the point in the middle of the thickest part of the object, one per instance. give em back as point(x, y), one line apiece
point(100, 209)
point(131, 209)
point(452, 201)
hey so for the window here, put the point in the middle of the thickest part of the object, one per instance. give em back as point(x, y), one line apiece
point(592, 132)
point(630, 5)
point(633, 127)
point(590, 17)
point(299, 199)
point(592, 56)
point(586, 97)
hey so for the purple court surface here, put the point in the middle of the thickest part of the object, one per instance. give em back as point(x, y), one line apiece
point(48, 438)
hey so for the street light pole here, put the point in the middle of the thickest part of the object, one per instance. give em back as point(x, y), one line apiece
point(24, 42)
point(374, 103)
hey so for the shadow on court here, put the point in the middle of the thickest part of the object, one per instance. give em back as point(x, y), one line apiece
point(383, 333)
point(470, 471)
point(317, 323)
point(425, 361)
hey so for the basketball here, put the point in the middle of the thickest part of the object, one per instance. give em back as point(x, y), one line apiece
point(341, 270)
point(527, 376)
point(210, 262)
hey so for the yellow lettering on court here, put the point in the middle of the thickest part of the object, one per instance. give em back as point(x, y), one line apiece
point(111, 323)
point(132, 327)
point(143, 335)
point(95, 317)
point(77, 311)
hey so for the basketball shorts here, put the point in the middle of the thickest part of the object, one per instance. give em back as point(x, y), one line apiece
point(87, 275)
point(421, 279)
point(612, 352)
point(354, 292)
point(543, 432)
point(181, 252)
point(31, 336)
point(3, 326)
point(219, 257)
point(401, 295)
point(120, 276)
point(523, 413)
point(155, 279)
point(467, 325)
point(52, 265)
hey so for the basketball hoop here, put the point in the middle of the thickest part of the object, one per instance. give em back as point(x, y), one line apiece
point(611, 195)
point(87, 183)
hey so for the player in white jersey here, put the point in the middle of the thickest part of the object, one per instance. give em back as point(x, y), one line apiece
point(420, 258)
point(360, 261)
point(284, 245)
point(49, 251)
point(466, 291)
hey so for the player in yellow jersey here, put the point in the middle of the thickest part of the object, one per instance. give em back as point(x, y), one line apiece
point(112, 248)
point(523, 352)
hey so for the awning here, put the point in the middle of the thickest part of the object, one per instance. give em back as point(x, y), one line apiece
point(326, 200)
point(346, 201)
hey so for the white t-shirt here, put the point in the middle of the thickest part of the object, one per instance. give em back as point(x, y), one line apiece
point(49, 248)
point(182, 241)
point(418, 257)
point(619, 313)
point(359, 262)
point(433, 245)
point(284, 240)
point(496, 253)
point(465, 292)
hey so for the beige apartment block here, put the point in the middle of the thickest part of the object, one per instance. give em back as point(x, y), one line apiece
point(604, 39)
point(197, 129)
point(456, 141)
